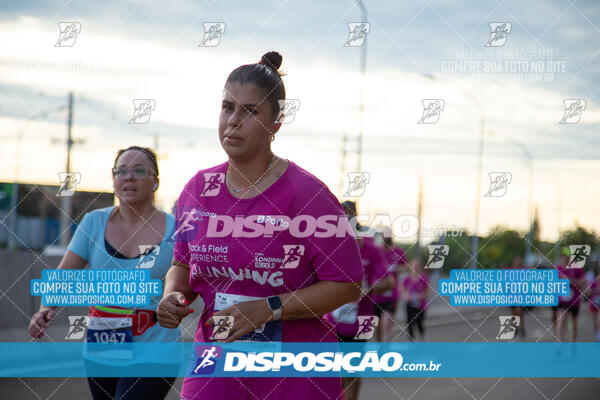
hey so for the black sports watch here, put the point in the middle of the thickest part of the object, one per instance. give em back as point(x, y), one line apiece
point(275, 305)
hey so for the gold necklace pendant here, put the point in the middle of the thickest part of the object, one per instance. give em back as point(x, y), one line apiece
point(260, 178)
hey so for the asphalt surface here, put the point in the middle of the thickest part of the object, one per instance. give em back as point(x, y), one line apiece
point(469, 325)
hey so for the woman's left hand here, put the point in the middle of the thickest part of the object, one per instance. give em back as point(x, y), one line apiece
point(247, 317)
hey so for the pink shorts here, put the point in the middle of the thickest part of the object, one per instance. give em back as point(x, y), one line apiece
point(261, 388)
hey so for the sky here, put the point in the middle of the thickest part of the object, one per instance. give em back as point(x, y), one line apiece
point(416, 50)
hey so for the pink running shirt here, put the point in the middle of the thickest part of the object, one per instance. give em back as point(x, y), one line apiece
point(375, 269)
point(572, 274)
point(415, 287)
point(394, 258)
point(264, 265)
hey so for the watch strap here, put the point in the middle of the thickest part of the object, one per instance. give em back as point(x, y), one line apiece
point(275, 305)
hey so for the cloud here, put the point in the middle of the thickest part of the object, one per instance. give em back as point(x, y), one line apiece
point(126, 52)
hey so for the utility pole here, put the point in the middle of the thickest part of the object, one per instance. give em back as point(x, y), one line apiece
point(559, 213)
point(361, 107)
point(419, 216)
point(12, 221)
point(480, 148)
point(530, 217)
point(343, 165)
point(156, 137)
point(66, 204)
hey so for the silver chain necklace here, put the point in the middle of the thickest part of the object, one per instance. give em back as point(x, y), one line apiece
point(260, 178)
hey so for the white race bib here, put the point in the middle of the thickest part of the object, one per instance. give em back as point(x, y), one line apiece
point(415, 301)
point(269, 332)
point(566, 298)
point(102, 330)
point(346, 314)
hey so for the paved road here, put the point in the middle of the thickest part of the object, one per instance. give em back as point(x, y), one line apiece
point(484, 327)
point(476, 326)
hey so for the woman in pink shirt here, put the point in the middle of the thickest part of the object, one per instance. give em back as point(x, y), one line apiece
point(593, 295)
point(568, 305)
point(274, 281)
point(518, 311)
point(356, 321)
point(414, 293)
point(385, 303)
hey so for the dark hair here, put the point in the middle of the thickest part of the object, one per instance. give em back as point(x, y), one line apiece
point(419, 260)
point(147, 151)
point(264, 74)
point(349, 207)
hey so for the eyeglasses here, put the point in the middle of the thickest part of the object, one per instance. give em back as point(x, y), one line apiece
point(139, 172)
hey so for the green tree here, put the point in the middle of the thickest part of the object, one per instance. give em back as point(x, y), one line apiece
point(579, 235)
point(500, 247)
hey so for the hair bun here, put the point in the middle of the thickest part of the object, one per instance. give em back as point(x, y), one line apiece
point(271, 59)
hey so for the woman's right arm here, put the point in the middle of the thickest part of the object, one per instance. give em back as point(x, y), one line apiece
point(39, 320)
point(177, 297)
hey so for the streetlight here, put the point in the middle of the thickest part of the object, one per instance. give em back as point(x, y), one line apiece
point(558, 208)
point(475, 237)
point(363, 67)
point(530, 210)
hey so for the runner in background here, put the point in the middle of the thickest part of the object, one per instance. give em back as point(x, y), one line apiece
point(590, 274)
point(414, 289)
point(376, 281)
point(518, 311)
point(110, 238)
point(593, 296)
point(386, 302)
point(568, 305)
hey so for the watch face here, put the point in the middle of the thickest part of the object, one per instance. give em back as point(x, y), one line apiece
point(274, 302)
